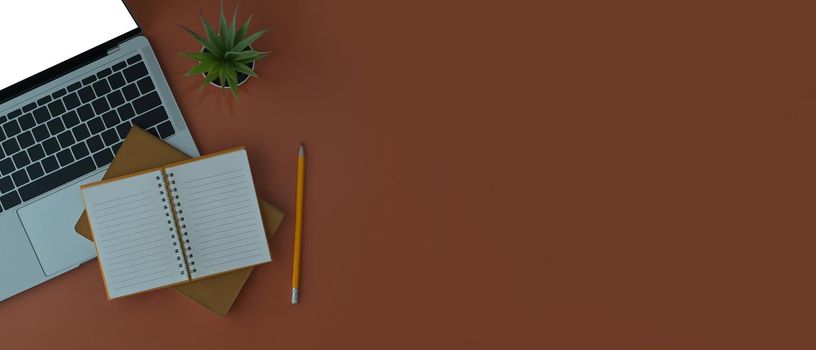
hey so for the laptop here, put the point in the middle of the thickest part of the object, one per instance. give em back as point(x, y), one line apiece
point(75, 77)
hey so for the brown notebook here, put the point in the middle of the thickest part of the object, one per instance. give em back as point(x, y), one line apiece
point(142, 151)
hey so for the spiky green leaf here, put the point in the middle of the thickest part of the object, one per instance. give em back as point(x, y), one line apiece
point(244, 28)
point(200, 56)
point(241, 45)
point(224, 30)
point(243, 68)
point(202, 67)
point(204, 42)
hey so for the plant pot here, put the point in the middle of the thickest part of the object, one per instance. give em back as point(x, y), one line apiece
point(242, 78)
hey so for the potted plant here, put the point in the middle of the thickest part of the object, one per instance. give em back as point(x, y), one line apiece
point(226, 59)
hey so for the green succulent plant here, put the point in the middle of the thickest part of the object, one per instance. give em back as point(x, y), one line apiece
point(226, 53)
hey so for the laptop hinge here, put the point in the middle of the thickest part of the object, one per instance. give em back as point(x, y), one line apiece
point(113, 49)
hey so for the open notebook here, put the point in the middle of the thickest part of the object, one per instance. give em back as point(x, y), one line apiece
point(175, 224)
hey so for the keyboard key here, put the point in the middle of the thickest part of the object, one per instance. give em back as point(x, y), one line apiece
point(110, 119)
point(41, 115)
point(119, 66)
point(81, 132)
point(11, 146)
point(96, 125)
point(20, 177)
point(15, 113)
point(86, 94)
point(66, 139)
point(74, 86)
point(115, 147)
point(70, 119)
point(7, 166)
point(50, 164)
point(56, 108)
point(134, 59)
point(126, 111)
point(94, 143)
point(101, 88)
point(27, 121)
point(21, 159)
point(25, 139)
point(3, 119)
point(65, 157)
point(71, 101)
point(10, 200)
point(145, 85)
point(103, 157)
point(57, 178)
point(40, 133)
point(165, 129)
point(110, 137)
point(59, 93)
point(103, 73)
point(100, 105)
point(35, 171)
point(89, 80)
point(115, 99)
point(85, 113)
point(11, 128)
point(36, 153)
point(116, 80)
point(51, 146)
point(55, 125)
point(151, 118)
point(6, 184)
point(153, 131)
point(135, 72)
point(130, 91)
point(29, 107)
point(44, 100)
point(123, 129)
point(146, 102)
point(80, 150)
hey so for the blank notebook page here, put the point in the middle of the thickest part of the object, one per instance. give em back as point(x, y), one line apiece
point(131, 228)
point(220, 214)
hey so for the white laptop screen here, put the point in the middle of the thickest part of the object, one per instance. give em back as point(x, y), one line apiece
point(38, 34)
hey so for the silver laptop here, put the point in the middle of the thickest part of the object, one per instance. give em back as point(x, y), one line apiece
point(71, 87)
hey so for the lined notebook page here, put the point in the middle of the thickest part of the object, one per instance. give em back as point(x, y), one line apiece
point(221, 218)
point(131, 229)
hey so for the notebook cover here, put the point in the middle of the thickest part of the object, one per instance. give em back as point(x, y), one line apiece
point(141, 151)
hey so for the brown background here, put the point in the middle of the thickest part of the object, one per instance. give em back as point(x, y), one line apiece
point(499, 175)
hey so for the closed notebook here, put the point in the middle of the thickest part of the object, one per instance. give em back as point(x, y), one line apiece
point(176, 224)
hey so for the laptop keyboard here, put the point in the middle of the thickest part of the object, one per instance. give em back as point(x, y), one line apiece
point(57, 138)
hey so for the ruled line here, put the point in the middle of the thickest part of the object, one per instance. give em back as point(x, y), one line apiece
point(125, 208)
point(108, 246)
point(225, 236)
point(128, 196)
point(193, 194)
point(232, 210)
point(212, 258)
point(118, 271)
point(211, 176)
point(120, 234)
point(114, 226)
point(144, 282)
point(112, 251)
point(129, 211)
point(200, 248)
point(218, 203)
point(190, 186)
point(209, 266)
point(214, 198)
point(219, 219)
point(135, 260)
point(224, 248)
point(223, 206)
point(134, 252)
point(199, 231)
point(153, 268)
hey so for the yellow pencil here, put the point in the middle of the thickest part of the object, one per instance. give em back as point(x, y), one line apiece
point(301, 164)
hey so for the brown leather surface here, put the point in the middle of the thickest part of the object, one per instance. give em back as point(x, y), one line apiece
point(499, 175)
point(142, 151)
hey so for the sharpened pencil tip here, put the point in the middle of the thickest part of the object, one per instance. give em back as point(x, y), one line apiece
point(301, 151)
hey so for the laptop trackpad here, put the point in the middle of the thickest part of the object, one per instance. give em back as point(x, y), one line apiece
point(49, 223)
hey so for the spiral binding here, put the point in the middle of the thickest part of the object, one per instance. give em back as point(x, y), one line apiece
point(171, 225)
point(182, 225)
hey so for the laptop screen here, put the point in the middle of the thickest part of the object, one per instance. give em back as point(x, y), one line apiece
point(38, 34)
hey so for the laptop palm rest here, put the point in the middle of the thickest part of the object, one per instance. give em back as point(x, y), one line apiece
point(49, 223)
